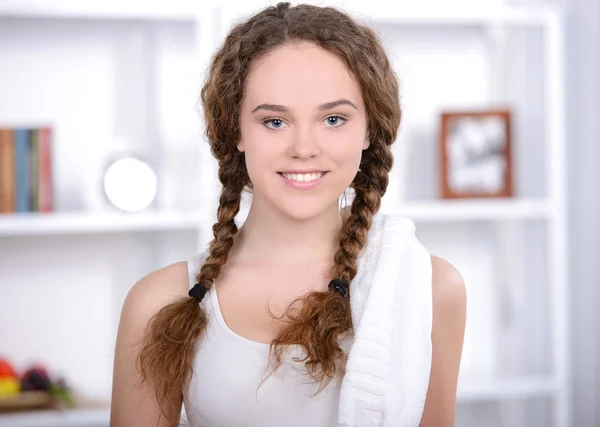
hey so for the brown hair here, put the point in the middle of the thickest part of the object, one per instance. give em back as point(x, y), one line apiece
point(318, 320)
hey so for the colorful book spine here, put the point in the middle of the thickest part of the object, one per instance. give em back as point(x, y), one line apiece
point(7, 171)
point(34, 162)
point(45, 181)
point(22, 148)
point(26, 170)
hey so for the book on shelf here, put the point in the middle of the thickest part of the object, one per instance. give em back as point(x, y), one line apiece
point(25, 170)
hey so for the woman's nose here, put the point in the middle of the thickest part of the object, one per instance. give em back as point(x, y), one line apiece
point(305, 143)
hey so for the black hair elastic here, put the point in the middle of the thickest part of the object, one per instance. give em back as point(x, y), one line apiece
point(340, 286)
point(198, 291)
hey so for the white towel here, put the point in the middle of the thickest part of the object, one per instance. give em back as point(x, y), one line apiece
point(389, 360)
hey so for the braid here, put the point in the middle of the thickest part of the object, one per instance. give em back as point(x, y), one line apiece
point(173, 332)
point(318, 320)
point(369, 185)
point(233, 176)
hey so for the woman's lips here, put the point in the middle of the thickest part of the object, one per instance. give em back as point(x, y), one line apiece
point(302, 185)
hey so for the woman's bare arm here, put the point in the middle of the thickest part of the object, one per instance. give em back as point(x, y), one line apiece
point(133, 405)
point(449, 318)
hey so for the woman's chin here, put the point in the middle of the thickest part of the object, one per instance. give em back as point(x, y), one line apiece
point(308, 211)
point(297, 207)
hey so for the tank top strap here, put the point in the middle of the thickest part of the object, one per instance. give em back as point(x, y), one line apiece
point(194, 264)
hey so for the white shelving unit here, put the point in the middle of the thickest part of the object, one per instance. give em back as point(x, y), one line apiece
point(211, 22)
point(70, 418)
point(461, 211)
point(129, 10)
point(48, 224)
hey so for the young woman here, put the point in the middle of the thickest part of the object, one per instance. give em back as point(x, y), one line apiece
point(307, 315)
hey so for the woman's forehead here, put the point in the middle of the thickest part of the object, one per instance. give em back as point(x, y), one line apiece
point(300, 73)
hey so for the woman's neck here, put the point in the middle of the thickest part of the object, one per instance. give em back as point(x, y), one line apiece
point(269, 235)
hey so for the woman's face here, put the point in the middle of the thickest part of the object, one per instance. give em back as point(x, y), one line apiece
point(303, 128)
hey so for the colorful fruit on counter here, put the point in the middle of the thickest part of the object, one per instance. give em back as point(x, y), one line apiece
point(9, 382)
point(36, 378)
point(9, 387)
point(6, 369)
point(62, 392)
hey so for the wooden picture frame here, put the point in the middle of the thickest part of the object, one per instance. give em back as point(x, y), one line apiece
point(475, 149)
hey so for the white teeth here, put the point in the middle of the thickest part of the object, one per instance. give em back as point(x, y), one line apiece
point(303, 177)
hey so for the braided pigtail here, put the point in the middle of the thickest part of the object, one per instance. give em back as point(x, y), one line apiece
point(369, 185)
point(233, 176)
point(168, 348)
point(318, 320)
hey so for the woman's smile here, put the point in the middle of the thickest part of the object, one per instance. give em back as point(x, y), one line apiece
point(303, 181)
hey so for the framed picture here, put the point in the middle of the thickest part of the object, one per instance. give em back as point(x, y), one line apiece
point(476, 154)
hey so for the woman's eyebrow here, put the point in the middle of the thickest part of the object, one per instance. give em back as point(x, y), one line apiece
point(323, 107)
point(333, 104)
point(272, 107)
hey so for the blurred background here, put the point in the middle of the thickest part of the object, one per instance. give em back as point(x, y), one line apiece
point(105, 176)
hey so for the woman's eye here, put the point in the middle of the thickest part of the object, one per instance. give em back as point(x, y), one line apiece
point(274, 123)
point(335, 121)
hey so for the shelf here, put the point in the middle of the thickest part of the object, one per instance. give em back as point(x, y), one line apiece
point(178, 10)
point(501, 390)
point(492, 391)
point(56, 223)
point(474, 210)
point(173, 10)
point(42, 224)
point(97, 417)
point(526, 16)
point(88, 417)
point(418, 14)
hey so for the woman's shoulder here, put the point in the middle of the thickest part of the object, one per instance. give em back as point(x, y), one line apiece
point(446, 278)
point(156, 290)
point(449, 295)
point(146, 298)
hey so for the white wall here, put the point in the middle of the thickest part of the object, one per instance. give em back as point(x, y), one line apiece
point(583, 38)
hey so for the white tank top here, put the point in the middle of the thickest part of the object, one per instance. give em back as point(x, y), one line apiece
point(389, 351)
point(226, 389)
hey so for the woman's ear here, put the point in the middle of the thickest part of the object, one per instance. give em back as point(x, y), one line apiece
point(240, 146)
point(367, 141)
